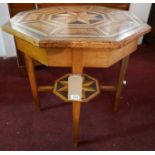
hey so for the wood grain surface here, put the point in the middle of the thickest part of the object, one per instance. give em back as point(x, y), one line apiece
point(80, 26)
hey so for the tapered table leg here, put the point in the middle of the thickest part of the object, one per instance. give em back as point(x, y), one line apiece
point(76, 120)
point(123, 69)
point(32, 79)
point(77, 68)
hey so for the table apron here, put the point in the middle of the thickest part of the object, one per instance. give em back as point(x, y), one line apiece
point(63, 57)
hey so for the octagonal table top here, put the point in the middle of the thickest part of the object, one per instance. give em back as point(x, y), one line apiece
point(80, 26)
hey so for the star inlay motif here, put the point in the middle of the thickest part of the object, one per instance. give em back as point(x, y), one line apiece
point(81, 22)
point(90, 88)
point(71, 17)
point(86, 87)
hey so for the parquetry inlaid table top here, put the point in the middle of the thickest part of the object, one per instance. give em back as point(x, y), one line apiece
point(80, 26)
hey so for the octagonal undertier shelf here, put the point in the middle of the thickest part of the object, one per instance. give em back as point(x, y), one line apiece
point(90, 88)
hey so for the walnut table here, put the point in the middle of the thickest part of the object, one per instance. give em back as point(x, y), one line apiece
point(77, 37)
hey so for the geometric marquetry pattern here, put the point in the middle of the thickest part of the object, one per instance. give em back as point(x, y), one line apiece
point(90, 88)
point(86, 22)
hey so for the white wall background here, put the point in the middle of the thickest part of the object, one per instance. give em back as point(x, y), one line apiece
point(141, 10)
point(7, 45)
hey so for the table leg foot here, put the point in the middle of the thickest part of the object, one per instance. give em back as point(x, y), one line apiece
point(75, 145)
point(76, 120)
point(123, 69)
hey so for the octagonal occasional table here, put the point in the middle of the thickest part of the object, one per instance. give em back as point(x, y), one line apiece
point(77, 37)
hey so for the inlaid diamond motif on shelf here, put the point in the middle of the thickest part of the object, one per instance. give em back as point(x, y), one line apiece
point(90, 88)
